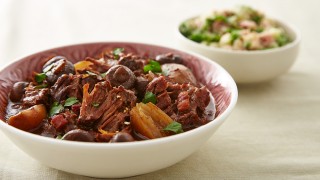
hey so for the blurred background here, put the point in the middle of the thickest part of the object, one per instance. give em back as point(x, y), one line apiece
point(28, 26)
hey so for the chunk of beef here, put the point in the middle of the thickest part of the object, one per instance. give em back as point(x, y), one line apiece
point(66, 86)
point(141, 85)
point(191, 105)
point(157, 85)
point(132, 62)
point(99, 65)
point(91, 80)
point(94, 103)
point(35, 96)
point(120, 101)
point(106, 108)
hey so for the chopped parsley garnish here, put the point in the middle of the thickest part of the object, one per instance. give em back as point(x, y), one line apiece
point(149, 97)
point(40, 77)
point(91, 73)
point(71, 101)
point(117, 51)
point(95, 104)
point(174, 127)
point(153, 66)
point(103, 75)
point(55, 109)
point(59, 137)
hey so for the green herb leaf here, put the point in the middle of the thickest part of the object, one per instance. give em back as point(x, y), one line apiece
point(55, 109)
point(174, 127)
point(117, 51)
point(149, 97)
point(41, 86)
point(91, 73)
point(103, 75)
point(71, 101)
point(59, 137)
point(40, 77)
point(95, 104)
point(153, 66)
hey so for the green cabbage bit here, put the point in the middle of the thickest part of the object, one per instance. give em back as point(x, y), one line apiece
point(174, 127)
point(153, 66)
point(149, 97)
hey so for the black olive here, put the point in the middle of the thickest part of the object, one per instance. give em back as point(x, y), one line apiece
point(78, 135)
point(57, 66)
point(121, 75)
point(17, 91)
point(122, 137)
point(168, 58)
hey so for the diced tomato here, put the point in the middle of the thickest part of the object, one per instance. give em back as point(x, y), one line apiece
point(59, 122)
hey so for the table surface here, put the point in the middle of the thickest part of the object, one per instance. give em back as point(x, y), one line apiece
point(274, 131)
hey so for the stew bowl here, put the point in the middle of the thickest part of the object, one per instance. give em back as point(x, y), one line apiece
point(115, 160)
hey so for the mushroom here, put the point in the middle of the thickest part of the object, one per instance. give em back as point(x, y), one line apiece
point(121, 76)
point(57, 66)
point(78, 135)
point(17, 91)
point(168, 58)
point(179, 73)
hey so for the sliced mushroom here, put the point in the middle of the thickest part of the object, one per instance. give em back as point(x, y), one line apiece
point(30, 118)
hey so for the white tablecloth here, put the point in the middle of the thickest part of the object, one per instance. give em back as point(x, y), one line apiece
point(274, 131)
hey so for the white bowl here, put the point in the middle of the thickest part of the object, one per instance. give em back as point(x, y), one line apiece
point(115, 160)
point(250, 66)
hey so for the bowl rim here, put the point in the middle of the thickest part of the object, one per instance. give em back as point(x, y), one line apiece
point(295, 31)
point(136, 144)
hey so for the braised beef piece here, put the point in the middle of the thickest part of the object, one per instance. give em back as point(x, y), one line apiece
point(99, 65)
point(184, 103)
point(119, 103)
point(141, 85)
point(91, 80)
point(93, 103)
point(35, 96)
point(106, 107)
point(56, 67)
point(66, 86)
point(191, 105)
point(132, 62)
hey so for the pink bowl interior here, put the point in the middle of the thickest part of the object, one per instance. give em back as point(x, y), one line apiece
point(206, 72)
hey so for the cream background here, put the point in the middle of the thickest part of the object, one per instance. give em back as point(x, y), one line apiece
point(274, 131)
